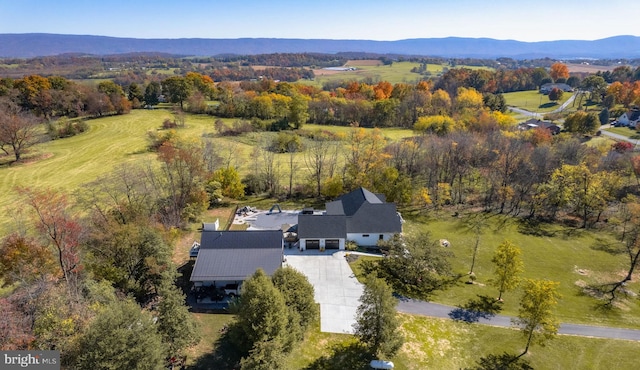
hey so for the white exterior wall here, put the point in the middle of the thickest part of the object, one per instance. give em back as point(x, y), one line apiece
point(368, 240)
point(623, 119)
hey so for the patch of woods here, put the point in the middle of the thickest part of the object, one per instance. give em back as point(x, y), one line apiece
point(94, 280)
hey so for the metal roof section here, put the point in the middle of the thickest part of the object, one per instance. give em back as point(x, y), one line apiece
point(235, 255)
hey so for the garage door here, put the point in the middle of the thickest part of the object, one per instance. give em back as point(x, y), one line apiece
point(332, 243)
point(312, 244)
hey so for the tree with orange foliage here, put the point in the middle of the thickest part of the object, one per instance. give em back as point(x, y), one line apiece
point(58, 227)
point(23, 259)
point(559, 70)
point(383, 90)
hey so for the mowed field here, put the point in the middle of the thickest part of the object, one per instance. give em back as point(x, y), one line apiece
point(68, 163)
point(373, 69)
point(573, 257)
point(533, 101)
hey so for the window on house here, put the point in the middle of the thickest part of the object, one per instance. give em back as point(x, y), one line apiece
point(381, 237)
point(365, 235)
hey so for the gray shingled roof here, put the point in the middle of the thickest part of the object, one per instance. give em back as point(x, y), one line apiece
point(235, 255)
point(375, 218)
point(322, 226)
point(349, 203)
point(359, 211)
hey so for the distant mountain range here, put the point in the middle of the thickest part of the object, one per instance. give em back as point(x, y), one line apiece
point(40, 44)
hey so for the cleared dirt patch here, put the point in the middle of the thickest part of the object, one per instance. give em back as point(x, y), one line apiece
point(588, 68)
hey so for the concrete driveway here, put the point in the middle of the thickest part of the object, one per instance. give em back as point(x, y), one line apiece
point(336, 288)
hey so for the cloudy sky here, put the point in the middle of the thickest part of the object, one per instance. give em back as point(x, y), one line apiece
point(540, 20)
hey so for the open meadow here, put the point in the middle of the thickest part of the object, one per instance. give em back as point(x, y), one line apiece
point(68, 163)
point(432, 343)
point(374, 70)
point(533, 101)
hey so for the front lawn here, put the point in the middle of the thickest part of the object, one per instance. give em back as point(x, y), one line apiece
point(573, 257)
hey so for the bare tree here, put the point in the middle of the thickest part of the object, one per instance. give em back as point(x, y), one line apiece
point(293, 164)
point(18, 130)
point(315, 159)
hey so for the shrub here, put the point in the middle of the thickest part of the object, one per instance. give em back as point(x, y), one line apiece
point(65, 128)
point(169, 124)
point(622, 146)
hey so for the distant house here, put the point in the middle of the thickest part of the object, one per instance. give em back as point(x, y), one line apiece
point(546, 88)
point(630, 118)
point(360, 216)
point(229, 257)
point(535, 123)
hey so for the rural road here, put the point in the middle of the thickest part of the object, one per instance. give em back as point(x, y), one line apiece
point(417, 307)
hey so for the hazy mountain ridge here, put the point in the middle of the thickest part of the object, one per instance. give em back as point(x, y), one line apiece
point(39, 44)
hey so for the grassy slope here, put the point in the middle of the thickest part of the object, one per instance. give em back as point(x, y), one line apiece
point(533, 101)
point(571, 256)
point(432, 343)
point(625, 131)
point(68, 163)
point(395, 73)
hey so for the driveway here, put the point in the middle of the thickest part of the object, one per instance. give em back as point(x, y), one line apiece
point(416, 307)
point(336, 288)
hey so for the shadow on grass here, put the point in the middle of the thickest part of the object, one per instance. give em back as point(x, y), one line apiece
point(613, 248)
point(352, 357)
point(226, 354)
point(505, 361)
point(535, 227)
point(483, 307)
point(548, 105)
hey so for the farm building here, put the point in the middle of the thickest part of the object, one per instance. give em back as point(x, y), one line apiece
point(535, 123)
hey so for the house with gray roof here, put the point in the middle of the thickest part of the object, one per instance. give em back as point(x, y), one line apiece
point(229, 257)
point(546, 88)
point(360, 216)
point(630, 118)
point(535, 123)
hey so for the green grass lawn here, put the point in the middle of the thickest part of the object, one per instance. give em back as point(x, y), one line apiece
point(533, 101)
point(68, 163)
point(573, 257)
point(432, 343)
point(210, 330)
point(625, 131)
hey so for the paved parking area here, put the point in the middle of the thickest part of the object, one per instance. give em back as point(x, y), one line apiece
point(336, 288)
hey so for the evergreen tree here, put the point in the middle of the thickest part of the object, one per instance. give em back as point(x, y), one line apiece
point(121, 337)
point(152, 93)
point(298, 294)
point(177, 327)
point(262, 314)
point(377, 325)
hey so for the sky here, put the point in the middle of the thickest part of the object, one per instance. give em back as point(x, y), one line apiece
point(385, 20)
